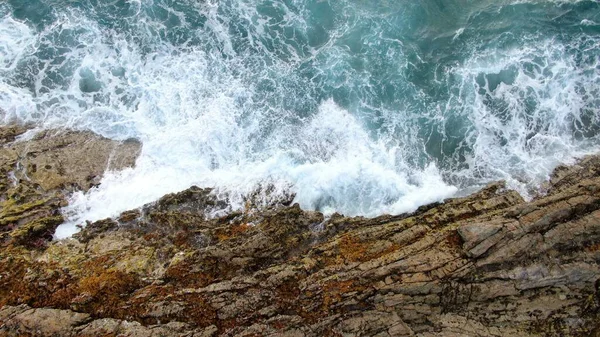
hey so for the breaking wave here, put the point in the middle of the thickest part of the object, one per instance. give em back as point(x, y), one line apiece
point(355, 107)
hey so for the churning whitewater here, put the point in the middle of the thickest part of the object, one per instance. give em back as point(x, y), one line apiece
point(357, 107)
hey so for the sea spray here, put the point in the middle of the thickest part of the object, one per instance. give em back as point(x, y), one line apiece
point(355, 107)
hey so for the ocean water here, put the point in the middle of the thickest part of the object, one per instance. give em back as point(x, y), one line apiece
point(355, 106)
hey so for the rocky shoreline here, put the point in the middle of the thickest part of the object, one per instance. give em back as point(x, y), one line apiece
point(489, 264)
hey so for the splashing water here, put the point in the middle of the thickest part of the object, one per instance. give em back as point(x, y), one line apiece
point(357, 107)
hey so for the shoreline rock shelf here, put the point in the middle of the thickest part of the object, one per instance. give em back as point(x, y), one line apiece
point(37, 175)
point(489, 264)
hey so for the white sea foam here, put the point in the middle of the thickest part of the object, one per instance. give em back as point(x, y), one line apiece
point(528, 105)
point(586, 22)
point(203, 119)
point(15, 38)
point(347, 172)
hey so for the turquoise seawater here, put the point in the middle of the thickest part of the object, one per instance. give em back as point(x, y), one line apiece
point(361, 107)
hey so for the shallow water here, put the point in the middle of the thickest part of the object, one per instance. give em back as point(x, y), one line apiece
point(360, 107)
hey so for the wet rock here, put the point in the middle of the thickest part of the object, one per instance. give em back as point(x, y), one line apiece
point(489, 264)
point(55, 159)
point(39, 170)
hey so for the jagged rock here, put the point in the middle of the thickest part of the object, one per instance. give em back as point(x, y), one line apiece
point(38, 170)
point(489, 264)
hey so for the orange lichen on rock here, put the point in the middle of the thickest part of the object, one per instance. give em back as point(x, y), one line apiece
point(103, 293)
point(232, 231)
point(352, 249)
point(333, 292)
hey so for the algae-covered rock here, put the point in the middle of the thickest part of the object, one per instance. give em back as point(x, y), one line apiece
point(39, 228)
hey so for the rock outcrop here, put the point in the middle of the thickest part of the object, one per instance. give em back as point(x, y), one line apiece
point(39, 169)
point(489, 264)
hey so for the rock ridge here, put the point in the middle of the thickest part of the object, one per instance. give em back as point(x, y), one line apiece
point(489, 264)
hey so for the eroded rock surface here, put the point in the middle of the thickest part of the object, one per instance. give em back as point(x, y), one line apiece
point(489, 264)
point(37, 174)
